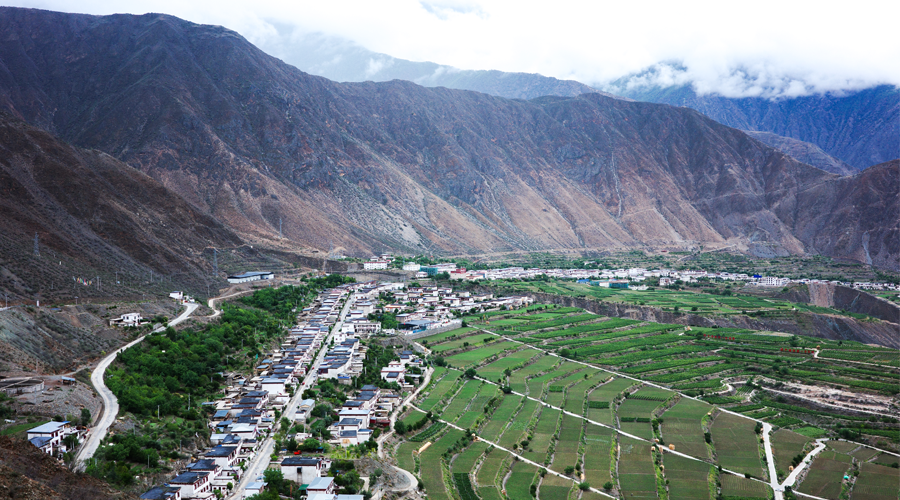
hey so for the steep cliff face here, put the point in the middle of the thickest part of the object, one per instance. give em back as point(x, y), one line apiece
point(371, 166)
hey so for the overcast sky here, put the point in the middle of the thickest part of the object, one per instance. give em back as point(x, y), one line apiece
point(766, 48)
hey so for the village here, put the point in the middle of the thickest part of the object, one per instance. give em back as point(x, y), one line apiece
point(327, 345)
point(606, 277)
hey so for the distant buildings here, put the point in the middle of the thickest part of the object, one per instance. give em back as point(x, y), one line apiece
point(252, 276)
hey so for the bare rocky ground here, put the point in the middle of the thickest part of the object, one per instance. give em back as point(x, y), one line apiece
point(59, 399)
point(28, 474)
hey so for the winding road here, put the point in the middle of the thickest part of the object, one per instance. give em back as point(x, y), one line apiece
point(110, 403)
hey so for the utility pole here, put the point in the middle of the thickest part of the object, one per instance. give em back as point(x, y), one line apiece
point(215, 262)
point(279, 228)
point(37, 252)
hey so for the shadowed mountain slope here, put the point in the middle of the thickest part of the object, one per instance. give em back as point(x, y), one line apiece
point(93, 215)
point(370, 166)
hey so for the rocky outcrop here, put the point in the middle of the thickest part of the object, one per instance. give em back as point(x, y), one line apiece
point(855, 301)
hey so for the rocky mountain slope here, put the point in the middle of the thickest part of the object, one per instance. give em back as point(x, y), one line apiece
point(28, 474)
point(93, 215)
point(861, 128)
point(371, 166)
point(804, 152)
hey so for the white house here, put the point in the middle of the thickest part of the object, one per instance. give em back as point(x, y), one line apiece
point(194, 484)
point(49, 437)
point(127, 319)
point(303, 470)
point(375, 264)
point(321, 485)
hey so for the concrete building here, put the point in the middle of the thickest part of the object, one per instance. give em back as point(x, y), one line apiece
point(303, 470)
point(252, 276)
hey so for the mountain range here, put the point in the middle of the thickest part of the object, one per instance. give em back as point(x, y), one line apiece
point(273, 156)
point(855, 128)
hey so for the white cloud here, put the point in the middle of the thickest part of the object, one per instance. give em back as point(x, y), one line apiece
point(766, 48)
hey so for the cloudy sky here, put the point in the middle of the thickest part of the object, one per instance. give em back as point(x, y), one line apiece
point(768, 48)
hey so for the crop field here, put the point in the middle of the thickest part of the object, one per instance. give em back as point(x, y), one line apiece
point(606, 393)
point(598, 441)
point(736, 444)
point(515, 432)
point(441, 337)
point(494, 370)
point(682, 427)
point(865, 454)
point(460, 342)
point(465, 461)
point(554, 488)
point(820, 480)
point(536, 384)
point(876, 482)
point(693, 361)
point(431, 473)
point(502, 416)
point(637, 476)
point(688, 479)
point(488, 472)
point(842, 446)
point(567, 445)
point(405, 458)
point(577, 393)
point(543, 435)
point(785, 446)
point(459, 402)
point(518, 485)
point(635, 416)
point(476, 407)
point(541, 365)
point(736, 486)
point(475, 356)
point(439, 390)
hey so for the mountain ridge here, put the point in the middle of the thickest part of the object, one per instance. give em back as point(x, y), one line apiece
point(378, 166)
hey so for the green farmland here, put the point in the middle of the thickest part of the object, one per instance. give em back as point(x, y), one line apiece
point(577, 397)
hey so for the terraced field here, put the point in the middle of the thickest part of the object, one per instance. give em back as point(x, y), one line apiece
point(736, 444)
point(682, 426)
point(688, 479)
point(820, 480)
point(876, 482)
point(694, 360)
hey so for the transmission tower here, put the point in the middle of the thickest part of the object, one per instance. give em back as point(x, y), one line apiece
point(37, 251)
point(215, 262)
point(279, 228)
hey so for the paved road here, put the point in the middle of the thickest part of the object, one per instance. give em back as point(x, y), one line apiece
point(260, 462)
point(110, 403)
point(770, 460)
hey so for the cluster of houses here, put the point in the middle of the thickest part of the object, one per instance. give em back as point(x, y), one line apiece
point(426, 308)
point(246, 412)
point(609, 277)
